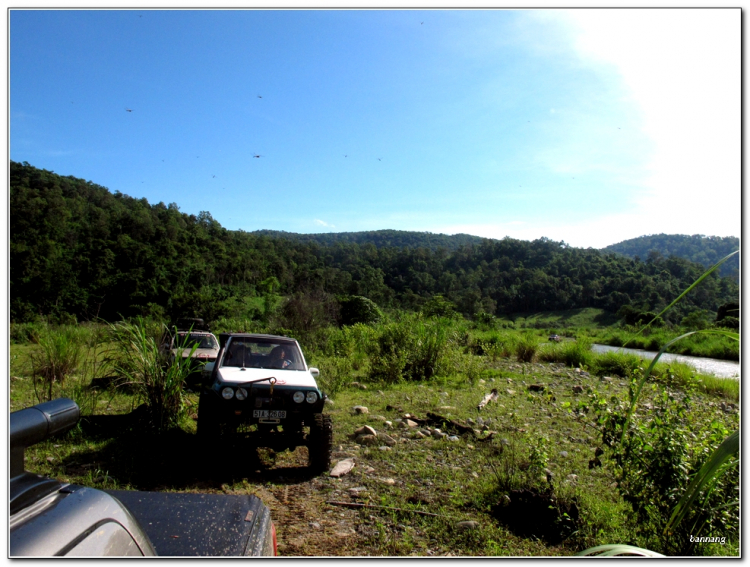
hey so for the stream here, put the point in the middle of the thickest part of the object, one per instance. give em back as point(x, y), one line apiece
point(714, 366)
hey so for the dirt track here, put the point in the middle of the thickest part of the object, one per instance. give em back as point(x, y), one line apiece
point(305, 524)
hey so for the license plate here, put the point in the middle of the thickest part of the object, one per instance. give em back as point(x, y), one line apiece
point(269, 414)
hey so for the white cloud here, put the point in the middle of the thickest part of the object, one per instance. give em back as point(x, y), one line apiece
point(323, 223)
point(683, 69)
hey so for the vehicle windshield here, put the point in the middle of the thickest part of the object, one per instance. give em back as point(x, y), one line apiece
point(262, 353)
point(203, 341)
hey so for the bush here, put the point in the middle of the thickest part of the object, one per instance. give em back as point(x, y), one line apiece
point(357, 309)
point(157, 380)
point(412, 348)
point(619, 364)
point(57, 355)
point(307, 312)
point(526, 347)
point(577, 354)
point(439, 306)
point(729, 323)
point(655, 461)
point(23, 333)
point(335, 374)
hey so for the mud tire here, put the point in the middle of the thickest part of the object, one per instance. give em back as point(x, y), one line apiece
point(320, 443)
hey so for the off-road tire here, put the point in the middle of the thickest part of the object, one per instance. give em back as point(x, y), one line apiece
point(320, 443)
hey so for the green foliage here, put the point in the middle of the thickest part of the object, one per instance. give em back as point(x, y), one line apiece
point(526, 347)
point(704, 250)
point(22, 333)
point(697, 320)
point(335, 375)
point(618, 364)
point(438, 306)
point(728, 310)
point(412, 348)
point(632, 316)
point(729, 323)
point(705, 481)
point(655, 460)
point(655, 457)
point(494, 344)
point(307, 312)
point(156, 379)
point(57, 354)
point(576, 354)
point(357, 309)
point(78, 252)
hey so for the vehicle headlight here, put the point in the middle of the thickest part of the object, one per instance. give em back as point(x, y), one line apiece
point(241, 393)
point(227, 393)
point(312, 397)
point(298, 397)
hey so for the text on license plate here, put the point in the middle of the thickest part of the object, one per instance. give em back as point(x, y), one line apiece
point(277, 414)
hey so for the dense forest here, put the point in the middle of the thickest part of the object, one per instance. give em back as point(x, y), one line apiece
point(79, 251)
point(704, 250)
point(382, 238)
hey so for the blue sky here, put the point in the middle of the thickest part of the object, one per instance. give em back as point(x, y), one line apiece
point(588, 126)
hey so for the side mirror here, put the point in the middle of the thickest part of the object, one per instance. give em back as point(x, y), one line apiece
point(315, 372)
point(209, 367)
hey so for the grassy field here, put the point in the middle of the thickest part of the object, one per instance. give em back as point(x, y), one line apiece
point(588, 317)
point(532, 473)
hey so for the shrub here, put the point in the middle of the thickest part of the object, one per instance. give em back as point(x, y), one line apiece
point(729, 323)
point(577, 353)
point(22, 333)
point(392, 347)
point(526, 348)
point(357, 309)
point(485, 320)
point(57, 355)
point(157, 380)
point(655, 460)
point(439, 306)
point(619, 364)
point(335, 373)
point(412, 348)
point(308, 311)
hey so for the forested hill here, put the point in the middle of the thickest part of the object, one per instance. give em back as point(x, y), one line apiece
point(77, 249)
point(704, 250)
point(382, 238)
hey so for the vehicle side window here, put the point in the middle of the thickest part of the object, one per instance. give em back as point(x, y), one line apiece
point(235, 355)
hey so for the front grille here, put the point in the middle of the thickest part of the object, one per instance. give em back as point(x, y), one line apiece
point(275, 402)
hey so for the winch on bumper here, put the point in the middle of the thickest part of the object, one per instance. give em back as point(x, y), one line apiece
point(260, 388)
point(267, 402)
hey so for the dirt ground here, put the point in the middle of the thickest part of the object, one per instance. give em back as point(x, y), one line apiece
point(305, 524)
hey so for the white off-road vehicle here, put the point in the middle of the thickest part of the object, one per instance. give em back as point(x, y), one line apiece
point(260, 387)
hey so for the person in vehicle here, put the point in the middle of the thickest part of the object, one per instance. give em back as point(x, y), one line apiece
point(280, 358)
point(236, 355)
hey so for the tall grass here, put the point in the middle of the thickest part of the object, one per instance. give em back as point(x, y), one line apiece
point(576, 354)
point(156, 379)
point(57, 355)
point(526, 347)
